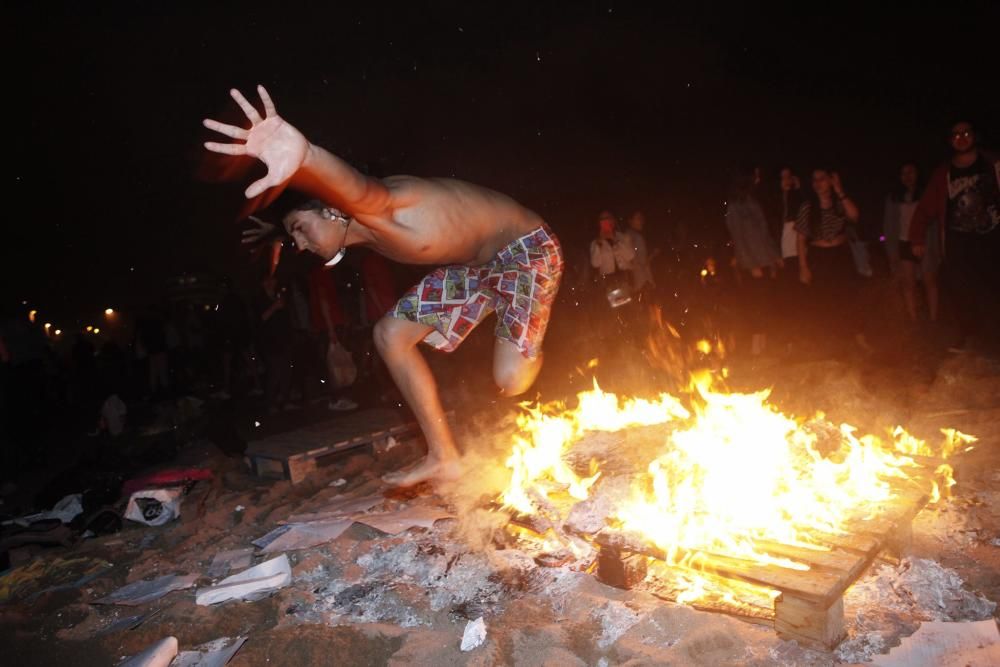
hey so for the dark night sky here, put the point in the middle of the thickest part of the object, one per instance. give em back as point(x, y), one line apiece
point(568, 107)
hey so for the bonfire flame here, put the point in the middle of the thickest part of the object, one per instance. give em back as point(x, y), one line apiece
point(733, 471)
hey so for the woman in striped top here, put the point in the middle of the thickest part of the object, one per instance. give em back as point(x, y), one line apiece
point(825, 261)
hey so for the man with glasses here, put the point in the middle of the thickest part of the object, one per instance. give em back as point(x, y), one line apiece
point(963, 195)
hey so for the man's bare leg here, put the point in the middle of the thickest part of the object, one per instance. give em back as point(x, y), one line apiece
point(512, 371)
point(397, 342)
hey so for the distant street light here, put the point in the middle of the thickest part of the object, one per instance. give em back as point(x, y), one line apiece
point(109, 311)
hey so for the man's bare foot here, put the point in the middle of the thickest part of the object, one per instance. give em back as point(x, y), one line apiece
point(427, 470)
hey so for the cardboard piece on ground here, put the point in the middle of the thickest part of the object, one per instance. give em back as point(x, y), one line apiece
point(946, 644)
point(213, 654)
point(158, 655)
point(404, 519)
point(304, 535)
point(253, 584)
point(127, 623)
point(224, 561)
point(341, 509)
point(263, 541)
point(141, 592)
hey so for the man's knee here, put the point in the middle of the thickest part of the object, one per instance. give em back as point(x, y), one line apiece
point(392, 334)
point(513, 380)
point(386, 334)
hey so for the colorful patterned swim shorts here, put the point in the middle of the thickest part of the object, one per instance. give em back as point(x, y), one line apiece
point(520, 284)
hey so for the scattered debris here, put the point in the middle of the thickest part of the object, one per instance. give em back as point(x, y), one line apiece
point(292, 537)
point(891, 602)
point(338, 510)
point(141, 592)
point(252, 584)
point(65, 511)
point(404, 519)
point(31, 579)
point(128, 623)
point(154, 507)
point(212, 654)
point(943, 644)
point(474, 635)
point(225, 561)
point(158, 655)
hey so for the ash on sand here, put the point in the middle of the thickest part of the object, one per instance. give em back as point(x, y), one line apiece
point(891, 602)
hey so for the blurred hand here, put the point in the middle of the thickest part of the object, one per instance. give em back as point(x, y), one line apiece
point(805, 275)
point(258, 231)
point(838, 187)
point(918, 250)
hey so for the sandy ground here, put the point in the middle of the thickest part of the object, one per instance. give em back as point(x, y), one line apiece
point(368, 598)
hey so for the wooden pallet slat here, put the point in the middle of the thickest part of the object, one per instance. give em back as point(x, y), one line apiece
point(810, 606)
point(293, 455)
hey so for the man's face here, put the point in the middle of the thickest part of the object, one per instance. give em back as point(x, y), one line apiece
point(962, 138)
point(637, 221)
point(908, 176)
point(313, 232)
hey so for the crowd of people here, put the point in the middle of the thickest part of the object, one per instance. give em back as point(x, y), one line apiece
point(798, 250)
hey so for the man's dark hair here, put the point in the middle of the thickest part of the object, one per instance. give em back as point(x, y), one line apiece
point(309, 205)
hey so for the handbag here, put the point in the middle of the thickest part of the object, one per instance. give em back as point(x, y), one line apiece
point(340, 366)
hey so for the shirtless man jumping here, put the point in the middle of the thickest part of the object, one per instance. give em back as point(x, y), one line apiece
point(497, 256)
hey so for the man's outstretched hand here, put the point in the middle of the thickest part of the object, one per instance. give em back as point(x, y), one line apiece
point(270, 139)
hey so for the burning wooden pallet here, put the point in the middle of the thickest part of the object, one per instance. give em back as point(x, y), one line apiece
point(295, 454)
point(810, 606)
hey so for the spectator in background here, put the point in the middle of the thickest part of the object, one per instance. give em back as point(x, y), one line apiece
point(757, 255)
point(906, 268)
point(151, 340)
point(963, 196)
point(233, 335)
point(791, 200)
point(826, 265)
point(642, 276)
point(611, 254)
point(274, 332)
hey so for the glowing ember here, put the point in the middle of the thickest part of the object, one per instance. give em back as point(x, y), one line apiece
point(732, 473)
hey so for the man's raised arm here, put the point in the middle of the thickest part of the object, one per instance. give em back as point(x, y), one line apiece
point(290, 157)
point(329, 178)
